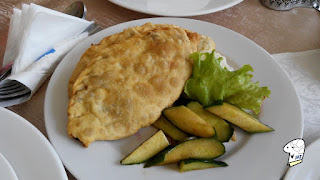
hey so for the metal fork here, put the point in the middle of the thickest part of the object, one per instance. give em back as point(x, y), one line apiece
point(290, 4)
point(5, 71)
point(12, 89)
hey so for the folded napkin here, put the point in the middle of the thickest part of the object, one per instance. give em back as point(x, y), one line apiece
point(303, 69)
point(33, 32)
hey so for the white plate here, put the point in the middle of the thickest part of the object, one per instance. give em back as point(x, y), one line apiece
point(27, 150)
point(258, 156)
point(176, 7)
point(6, 170)
point(309, 168)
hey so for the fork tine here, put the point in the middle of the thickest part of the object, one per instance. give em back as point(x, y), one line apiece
point(6, 84)
point(12, 89)
point(15, 95)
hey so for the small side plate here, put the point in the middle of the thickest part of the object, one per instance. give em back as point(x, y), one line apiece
point(6, 170)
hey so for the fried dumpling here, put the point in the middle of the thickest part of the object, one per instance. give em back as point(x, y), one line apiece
point(126, 84)
point(205, 45)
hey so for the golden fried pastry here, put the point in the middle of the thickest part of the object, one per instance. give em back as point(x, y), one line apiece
point(128, 80)
point(206, 44)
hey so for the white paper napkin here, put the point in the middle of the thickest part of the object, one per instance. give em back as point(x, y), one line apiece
point(303, 69)
point(33, 31)
point(40, 29)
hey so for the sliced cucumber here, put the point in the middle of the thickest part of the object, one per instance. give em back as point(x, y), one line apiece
point(200, 148)
point(223, 129)
point(169, 129)
point(188, 121)
point(196, 164)
point(148, 149)
point(239, 118)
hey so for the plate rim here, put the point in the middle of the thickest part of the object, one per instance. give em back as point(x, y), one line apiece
point(193, 13)
point(25, 123)
point(136, 22)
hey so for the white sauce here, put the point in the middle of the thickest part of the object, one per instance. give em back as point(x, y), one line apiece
point(223, 63)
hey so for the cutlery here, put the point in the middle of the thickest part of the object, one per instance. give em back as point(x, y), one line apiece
point(77, 9)
point(290, 4)
point(5, 71)
point(6, 170)
point(12, 89)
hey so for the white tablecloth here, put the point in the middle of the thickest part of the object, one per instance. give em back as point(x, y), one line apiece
point(303, 69)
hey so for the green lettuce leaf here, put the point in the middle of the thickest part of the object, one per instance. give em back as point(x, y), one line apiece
point(211, 84)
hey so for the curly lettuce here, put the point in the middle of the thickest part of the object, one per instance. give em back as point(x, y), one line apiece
point(211, 84)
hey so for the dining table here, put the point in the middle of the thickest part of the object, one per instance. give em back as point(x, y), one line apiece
point(294, 30)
